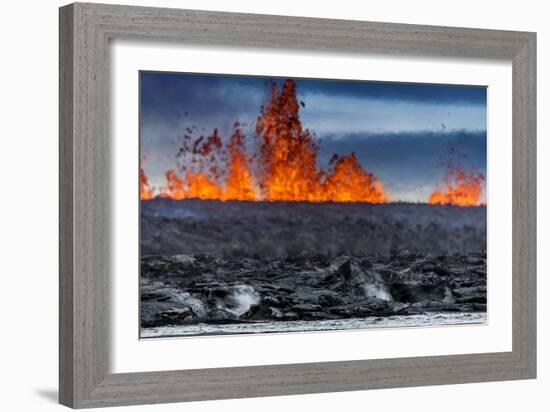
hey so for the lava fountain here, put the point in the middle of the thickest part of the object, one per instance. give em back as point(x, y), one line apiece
point(282, 166)
point(461, 187)
point(145, 191)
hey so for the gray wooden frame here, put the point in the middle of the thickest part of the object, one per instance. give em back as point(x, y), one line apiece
point(85, 31)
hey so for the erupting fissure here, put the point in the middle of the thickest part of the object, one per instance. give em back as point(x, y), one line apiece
point(146, 192)
point(462, 188)
point(283, 166)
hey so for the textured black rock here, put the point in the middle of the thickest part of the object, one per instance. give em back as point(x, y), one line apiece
point(216, 262)
point(184, 290)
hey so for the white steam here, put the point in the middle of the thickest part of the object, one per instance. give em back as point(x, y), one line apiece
point(377, 291)
point(244, 296)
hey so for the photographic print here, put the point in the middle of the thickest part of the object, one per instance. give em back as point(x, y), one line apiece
point(273, 204)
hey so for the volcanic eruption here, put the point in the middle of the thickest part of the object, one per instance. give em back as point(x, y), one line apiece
point(146, 192)
point(283, 166)
point(461, 187)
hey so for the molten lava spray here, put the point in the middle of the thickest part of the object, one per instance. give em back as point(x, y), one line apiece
point(145, 191)
point(283, 167)
point(288, 154)
point(348, 182)
point(462, 188)
point(239, 184)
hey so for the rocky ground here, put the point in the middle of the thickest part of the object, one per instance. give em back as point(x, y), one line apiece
point(202, 288)
point(275, 230)
point(222, 263)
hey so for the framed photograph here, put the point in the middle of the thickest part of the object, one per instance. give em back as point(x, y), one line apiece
point(257, 205)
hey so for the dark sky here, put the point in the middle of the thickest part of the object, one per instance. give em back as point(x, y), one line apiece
point(400, 131)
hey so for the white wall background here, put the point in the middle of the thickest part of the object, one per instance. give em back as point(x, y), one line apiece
point(28, 229)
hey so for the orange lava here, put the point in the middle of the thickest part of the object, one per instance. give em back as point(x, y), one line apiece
point(239, 184)
point(461, 189)
point(145, 191)
point(288, 154)
point(190, 186)
point(282, 168)
point(349, 182)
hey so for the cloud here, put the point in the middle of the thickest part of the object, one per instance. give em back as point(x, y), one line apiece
point(330, 104)
point(169, 98)
point(395, 91)
point(337, 114)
